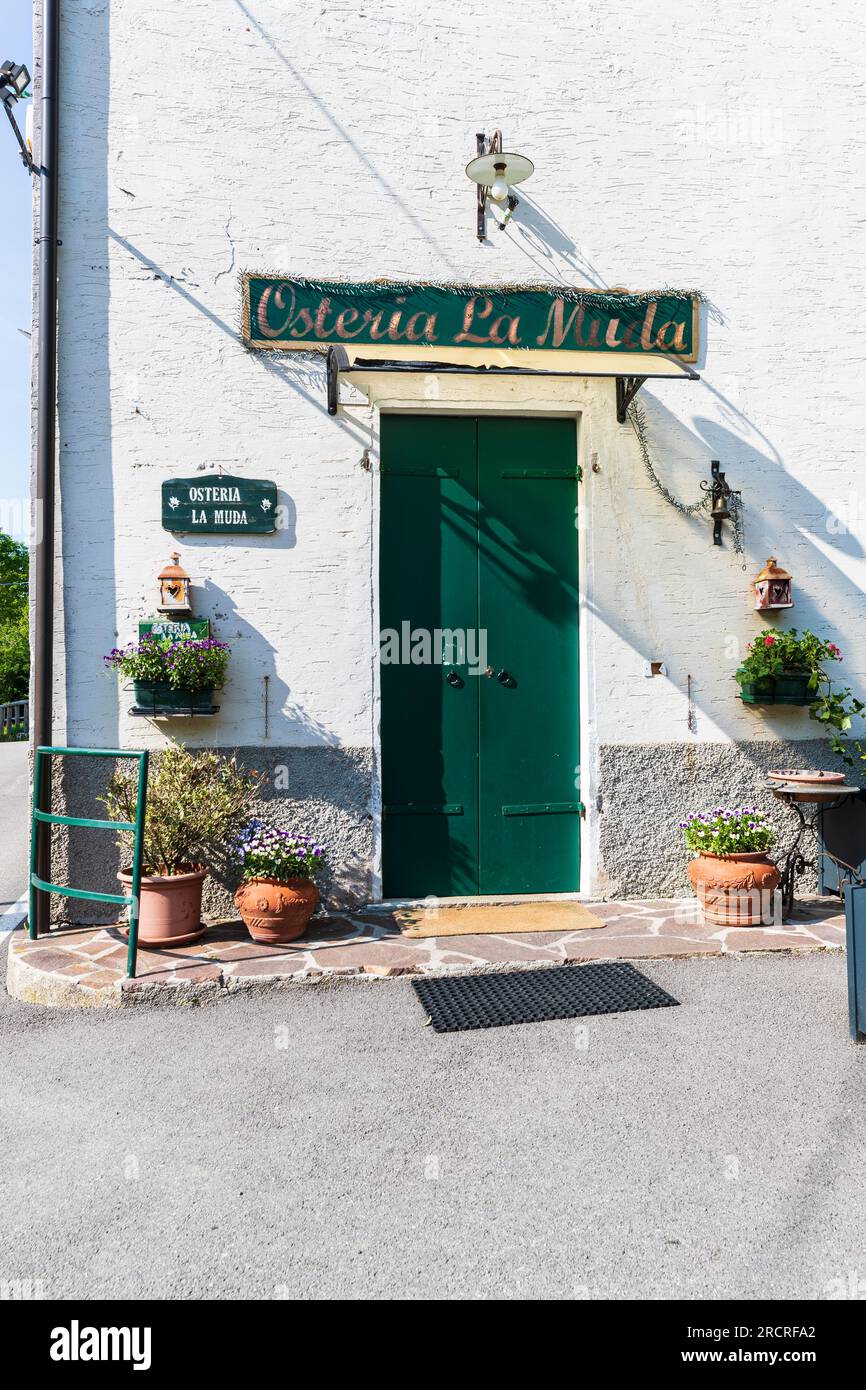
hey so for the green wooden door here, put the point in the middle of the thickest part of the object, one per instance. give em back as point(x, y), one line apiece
point(529, 822)
point(479, 772)
point(429, 729)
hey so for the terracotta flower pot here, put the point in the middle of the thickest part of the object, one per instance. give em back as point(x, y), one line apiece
point(170, 907)
point(735, 890)
point(274, 911)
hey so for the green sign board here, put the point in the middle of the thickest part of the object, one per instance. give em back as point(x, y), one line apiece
point(295, 313)
point(219, 503)
point(175, 628)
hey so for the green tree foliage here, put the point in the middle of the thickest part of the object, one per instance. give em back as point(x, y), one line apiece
point(14, 643)
point(13, 578)
point(14, 659)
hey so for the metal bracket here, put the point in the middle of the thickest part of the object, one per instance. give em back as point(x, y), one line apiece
point(336, 361)
point(482, 147)
point(26, 157)
point(627, 388)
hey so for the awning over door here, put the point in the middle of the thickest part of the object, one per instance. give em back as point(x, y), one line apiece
point(358, 368)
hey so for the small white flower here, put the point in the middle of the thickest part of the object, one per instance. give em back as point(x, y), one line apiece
point(266, 504)
point(174, 502)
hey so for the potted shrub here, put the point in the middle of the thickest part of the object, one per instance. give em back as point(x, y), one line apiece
point(732, 875)
point(277, 896)
point(173, 675)
point(196, 803)
point(784, 667)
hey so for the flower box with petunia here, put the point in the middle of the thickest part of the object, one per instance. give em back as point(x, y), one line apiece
point(168, 674)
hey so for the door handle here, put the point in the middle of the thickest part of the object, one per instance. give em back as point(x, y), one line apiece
point(506, 679)
point(453, 679)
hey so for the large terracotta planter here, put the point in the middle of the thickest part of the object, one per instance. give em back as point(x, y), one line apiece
point(170, 907)
point(272, 911)
point(735, 890)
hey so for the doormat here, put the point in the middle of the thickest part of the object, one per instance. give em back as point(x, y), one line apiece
point(506, 919)
point(456, 1003)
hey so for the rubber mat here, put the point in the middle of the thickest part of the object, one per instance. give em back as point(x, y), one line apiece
point(456, 1003)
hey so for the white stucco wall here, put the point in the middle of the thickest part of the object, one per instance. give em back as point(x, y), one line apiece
point(712, 146)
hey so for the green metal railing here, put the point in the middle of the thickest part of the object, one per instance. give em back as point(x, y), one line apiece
point(46, 817)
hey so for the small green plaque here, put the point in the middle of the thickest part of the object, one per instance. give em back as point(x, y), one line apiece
point(175, 628)
point(220, 504)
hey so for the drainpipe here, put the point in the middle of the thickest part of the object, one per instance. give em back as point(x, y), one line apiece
point(46, 407)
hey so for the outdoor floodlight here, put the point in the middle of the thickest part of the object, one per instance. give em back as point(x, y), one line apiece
point(14, 76)
point(14, 81)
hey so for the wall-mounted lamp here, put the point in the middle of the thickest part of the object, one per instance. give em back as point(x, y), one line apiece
point(173, 587)
point(14, 81)
point(773, 587)
point(495, 171)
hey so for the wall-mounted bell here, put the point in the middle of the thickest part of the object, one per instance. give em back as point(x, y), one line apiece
point(720, 492)
point(719, 510)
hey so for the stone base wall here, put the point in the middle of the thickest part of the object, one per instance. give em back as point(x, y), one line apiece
point(321, 791)
point(647, 788)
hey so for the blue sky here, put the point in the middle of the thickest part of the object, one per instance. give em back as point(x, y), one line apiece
point(16, 243)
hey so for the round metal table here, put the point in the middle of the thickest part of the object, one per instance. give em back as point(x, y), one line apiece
point(798, 796)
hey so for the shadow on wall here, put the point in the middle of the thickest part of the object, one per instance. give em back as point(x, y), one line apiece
point(767, 489)
point(644, 855)
point(299, 376)
point(322, 791)
point(318, 789)
point(386, 189)
point(313, 785)
point(536, 232)
point(548, 246)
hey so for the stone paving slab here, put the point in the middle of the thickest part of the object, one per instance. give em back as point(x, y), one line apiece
point(86, 966)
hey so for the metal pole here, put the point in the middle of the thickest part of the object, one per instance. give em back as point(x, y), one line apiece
point(34, 902)
point(137, 860)
point(46, 406)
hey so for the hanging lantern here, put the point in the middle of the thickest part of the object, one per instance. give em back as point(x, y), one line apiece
point(174, 587)
point(773, 587)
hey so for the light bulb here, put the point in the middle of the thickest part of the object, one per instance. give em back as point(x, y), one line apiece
point(499, 187)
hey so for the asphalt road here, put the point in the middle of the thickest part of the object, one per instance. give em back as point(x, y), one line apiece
point(321, 1142)
point(14, 822)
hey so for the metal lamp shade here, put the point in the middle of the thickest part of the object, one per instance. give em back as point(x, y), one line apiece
point(483, 168)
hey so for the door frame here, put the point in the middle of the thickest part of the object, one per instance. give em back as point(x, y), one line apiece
point(419, 399)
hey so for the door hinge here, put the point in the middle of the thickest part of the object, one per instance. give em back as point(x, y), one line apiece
point(580, 473)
